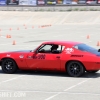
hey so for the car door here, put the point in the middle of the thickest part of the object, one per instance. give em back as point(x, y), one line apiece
point(36, 61)
point(52, 59)
point(52, 62)
point(44, 59)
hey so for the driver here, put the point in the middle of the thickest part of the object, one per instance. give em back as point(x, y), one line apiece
point(54, 48)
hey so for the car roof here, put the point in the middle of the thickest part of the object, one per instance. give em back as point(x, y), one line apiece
point(62, 42)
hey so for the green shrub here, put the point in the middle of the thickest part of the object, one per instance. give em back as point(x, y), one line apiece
point(69, 9)
point(76, 9)
point(84, 9)
point(93, 9)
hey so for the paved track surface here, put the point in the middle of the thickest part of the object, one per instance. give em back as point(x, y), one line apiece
point(26, 85)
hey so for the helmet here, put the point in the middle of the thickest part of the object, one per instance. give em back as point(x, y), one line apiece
point(54, 47)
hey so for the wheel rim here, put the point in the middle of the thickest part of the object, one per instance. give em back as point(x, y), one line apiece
point(8, 65)
point(75, 69)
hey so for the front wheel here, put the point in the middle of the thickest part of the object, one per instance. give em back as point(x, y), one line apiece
point(75, 69)
point(8, 66)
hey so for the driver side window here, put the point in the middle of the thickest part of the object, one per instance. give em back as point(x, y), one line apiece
point(45, 48)
point(51, 48)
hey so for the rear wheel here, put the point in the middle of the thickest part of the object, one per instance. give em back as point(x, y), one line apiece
point(9, 66)
point(75, 69)
point(92, 71)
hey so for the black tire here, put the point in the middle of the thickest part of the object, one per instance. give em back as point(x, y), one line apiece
point(75, 69)
point(9, 66)
point(92, 71)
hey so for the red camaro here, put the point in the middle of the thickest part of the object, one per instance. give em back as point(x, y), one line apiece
point(72, 57)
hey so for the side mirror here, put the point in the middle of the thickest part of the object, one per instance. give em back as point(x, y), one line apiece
point(36, 51)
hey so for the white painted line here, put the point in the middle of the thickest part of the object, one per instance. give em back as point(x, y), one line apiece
point(76, 85)
point(68, 89)
point(11, 79)
point(53, 96)
point(77, 93)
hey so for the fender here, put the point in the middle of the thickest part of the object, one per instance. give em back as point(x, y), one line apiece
point(19, 58)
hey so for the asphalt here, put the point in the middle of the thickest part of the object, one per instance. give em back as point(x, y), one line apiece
point(30, 85)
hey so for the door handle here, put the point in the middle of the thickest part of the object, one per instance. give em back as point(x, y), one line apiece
point(58, 57)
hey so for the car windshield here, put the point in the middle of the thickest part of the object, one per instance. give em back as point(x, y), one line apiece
point(86, 48)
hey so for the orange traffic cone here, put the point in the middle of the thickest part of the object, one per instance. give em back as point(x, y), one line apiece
point(43, 25)
point(14, 43)
point(9, 36)
point(98, 43)
point(18, 28)
point(10, 29)
point(88, 36)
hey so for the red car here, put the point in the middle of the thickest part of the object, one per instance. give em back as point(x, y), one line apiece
point(72, 57)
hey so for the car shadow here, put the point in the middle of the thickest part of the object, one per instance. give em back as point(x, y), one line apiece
point(55, 74)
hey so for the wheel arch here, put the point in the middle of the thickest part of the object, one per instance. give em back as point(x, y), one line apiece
point(71, 61)
point(8, 58)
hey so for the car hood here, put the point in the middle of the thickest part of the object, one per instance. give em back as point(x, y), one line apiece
point(19, 51)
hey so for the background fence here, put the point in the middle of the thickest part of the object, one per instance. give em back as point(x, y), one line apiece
point(48, 2)
point(49, 5)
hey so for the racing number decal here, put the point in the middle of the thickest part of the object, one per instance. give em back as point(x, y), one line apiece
point(42, 56)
